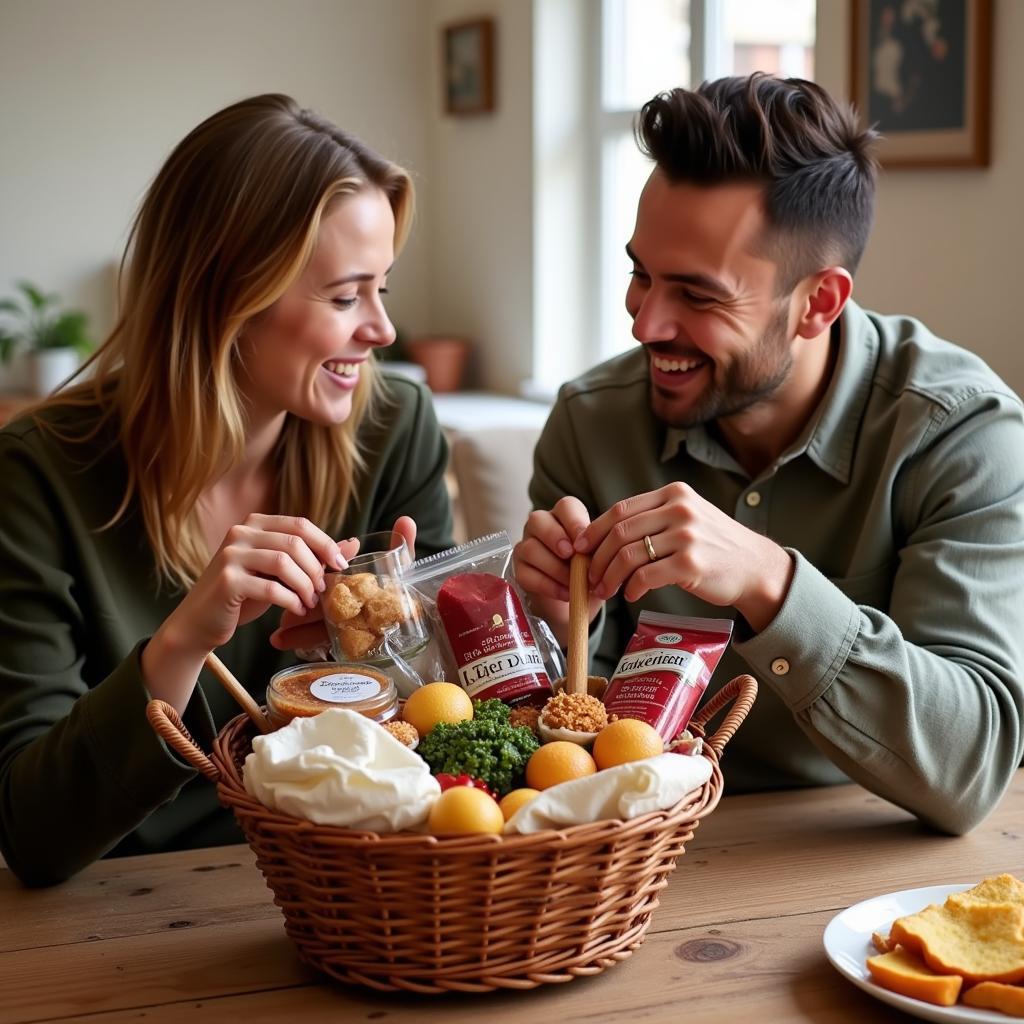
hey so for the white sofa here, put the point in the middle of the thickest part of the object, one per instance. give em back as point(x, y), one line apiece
point(489, 477)
point(492, 438)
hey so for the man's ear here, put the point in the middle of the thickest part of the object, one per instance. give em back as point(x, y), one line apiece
point(823, 296)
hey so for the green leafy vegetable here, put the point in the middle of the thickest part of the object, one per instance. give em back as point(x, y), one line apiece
point(486, 747)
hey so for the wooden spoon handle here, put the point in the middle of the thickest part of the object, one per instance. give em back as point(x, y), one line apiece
point(577, 659)
point(226, 679)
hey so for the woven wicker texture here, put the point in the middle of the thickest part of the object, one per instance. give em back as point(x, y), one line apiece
point(472, 913)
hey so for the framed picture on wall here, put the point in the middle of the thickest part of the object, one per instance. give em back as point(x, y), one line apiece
point(921, 75)
point(468, 62)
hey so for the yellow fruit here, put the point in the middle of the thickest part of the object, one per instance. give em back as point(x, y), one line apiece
point(558, 762)
point(437, 702)
point(511, 802)
point(463, 810)
point(628, 739)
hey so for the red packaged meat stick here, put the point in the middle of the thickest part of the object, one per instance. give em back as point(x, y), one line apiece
point(666, 669)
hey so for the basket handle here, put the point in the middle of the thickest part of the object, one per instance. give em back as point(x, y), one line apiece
point(741, 690)
point(167, 724)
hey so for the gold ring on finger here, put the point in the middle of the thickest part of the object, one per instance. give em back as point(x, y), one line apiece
point(650, 549)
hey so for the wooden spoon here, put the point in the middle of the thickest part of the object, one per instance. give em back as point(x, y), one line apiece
point(576, 655)
point(227, 679)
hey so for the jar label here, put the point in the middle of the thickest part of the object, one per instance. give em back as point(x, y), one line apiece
point(344, 688)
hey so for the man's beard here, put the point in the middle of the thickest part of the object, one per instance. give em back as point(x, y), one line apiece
point(754, 376)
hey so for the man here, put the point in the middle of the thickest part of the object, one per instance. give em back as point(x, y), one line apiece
point(847, 486)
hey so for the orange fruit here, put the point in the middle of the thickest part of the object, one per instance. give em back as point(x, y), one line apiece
point(558, 762)
point(462, 810)
point(511, 802)
point(627, 739)
point(437, 702)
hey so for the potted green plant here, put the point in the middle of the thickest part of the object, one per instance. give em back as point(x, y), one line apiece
point(54, 339)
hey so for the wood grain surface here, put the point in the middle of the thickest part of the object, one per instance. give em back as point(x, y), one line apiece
point(194, 936)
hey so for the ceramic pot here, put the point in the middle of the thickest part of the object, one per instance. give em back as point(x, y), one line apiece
point(443, 357)
point(49, 368)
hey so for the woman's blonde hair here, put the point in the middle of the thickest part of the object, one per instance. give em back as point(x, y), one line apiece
point(230, 221)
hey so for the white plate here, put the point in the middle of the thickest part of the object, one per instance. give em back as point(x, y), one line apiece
point(848, 945)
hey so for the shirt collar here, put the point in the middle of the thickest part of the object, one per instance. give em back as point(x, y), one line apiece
point(832, 433)
point(837, 424)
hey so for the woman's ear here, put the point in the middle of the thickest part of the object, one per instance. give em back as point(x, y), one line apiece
point(824, 296)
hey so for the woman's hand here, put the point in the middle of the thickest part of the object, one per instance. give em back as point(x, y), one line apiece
point(306, 629)
point(541, 560)
point(267, 560)
point(264, 561)
point(697, 547)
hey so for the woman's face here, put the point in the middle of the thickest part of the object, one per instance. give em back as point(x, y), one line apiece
point(303, 355)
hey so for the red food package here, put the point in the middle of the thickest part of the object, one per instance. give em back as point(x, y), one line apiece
point(493, 647)
point(491, 641)
point(666, 669)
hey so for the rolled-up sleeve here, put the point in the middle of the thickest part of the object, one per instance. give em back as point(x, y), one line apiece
point(922, 703)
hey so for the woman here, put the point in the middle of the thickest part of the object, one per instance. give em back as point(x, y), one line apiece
point(233, 428)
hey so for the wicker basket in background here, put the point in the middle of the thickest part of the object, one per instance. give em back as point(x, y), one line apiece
point(463, 913)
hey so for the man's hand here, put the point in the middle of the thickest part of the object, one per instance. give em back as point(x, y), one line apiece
point(541, 560)
point(698, 548)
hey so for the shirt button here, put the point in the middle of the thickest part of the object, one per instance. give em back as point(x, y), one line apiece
point(753, 499)
point(780, 666)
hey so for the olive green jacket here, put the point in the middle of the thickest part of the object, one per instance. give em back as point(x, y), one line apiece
point(81, 771)
point(897, 658)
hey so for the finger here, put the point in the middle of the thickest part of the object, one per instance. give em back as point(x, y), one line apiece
point(323, 546)
point(572, 515)
point(349, 549)
point(591, 538)
point(309, 615)
point(539, 584)
point(628, 560)
point(309, 634)
point(297, 549)
point(534, 563)
point(624, 533)
point(267, 591)
point(557, 528)
point(405, 529)
point(531, 553)
point(652, 576)
point(280, 565)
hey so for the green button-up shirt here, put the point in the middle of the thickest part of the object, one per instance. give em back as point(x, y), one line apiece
point(897, 657)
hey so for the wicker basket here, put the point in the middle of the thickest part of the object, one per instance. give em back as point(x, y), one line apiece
point(474, 913)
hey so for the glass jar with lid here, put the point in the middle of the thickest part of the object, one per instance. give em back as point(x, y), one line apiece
point(305, 690)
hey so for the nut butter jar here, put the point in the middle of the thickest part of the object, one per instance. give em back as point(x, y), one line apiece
point(305, 690)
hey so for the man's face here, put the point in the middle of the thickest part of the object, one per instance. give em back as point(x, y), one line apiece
point(703, 304)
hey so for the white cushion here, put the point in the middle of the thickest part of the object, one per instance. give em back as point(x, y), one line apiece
point(492, 470)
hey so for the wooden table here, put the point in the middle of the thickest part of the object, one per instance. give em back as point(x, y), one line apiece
point(194, 936)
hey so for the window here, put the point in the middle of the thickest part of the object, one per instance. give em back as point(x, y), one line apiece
point(597, 63)
point(651, 45)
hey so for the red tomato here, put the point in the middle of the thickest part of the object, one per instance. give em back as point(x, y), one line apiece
point(446, 781)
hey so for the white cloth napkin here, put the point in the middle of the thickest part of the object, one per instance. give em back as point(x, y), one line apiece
point(341, 768)
point(625, 791)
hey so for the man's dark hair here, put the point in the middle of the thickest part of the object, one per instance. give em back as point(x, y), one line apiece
point(789, 135)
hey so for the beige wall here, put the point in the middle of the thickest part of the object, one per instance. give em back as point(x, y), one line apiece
point(481, 201)
point(946, 243)
point(94, 93)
